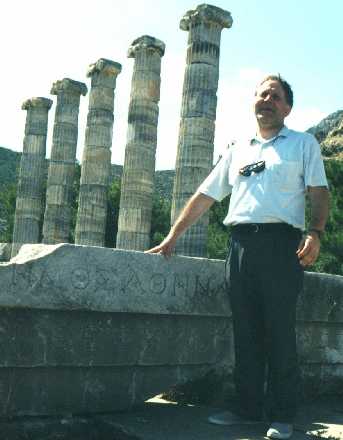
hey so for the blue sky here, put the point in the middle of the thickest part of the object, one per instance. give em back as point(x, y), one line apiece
point(46, 40)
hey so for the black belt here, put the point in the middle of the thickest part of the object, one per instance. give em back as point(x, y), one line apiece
point(255, 228)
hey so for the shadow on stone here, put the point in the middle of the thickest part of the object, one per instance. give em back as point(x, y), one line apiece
point(73, 428)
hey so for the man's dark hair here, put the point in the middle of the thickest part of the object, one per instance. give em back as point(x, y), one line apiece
point(284, 84)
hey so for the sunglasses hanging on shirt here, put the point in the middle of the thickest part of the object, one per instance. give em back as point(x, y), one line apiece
point(256, 167)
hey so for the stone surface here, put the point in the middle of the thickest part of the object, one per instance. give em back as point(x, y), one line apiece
point(57, 216)
point(5, 251)
point(96, 161)
point(162, 420)
point(159, 419)
point(95, 329)
point(31, 182)
point(106, 280)
point(137, 185)
point(198, 113)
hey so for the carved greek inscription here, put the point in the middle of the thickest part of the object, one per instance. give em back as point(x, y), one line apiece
point(103, 279)
point(80, 279)
point(202, 287)
point(181, 284)
point(158, 283)
point(132, 283)
point(220, 287)
point(46, 280)
point(25, 276)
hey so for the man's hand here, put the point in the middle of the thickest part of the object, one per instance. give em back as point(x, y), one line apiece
point(194, 209)
point(308, 249)
point(165, 248)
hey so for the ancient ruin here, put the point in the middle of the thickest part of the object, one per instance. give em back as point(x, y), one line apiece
point(139, 168)
point(105, 329)
point(96, 161)
point(94, 330)
point(30, 191)
point(56, 226)
point(199, 102)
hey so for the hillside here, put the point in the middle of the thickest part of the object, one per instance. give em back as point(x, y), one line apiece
point(329, 133)
point(163, 180)
point(10, 161)
point(321, 130)
point(9, 164)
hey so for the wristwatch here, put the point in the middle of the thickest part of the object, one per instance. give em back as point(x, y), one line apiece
point(317, 231)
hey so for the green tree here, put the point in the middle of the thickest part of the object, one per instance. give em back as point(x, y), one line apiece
point(218, 233)
point(160, 219)
point(331, 255)
point(7, 211)
point(113, 201)
point(74, 201)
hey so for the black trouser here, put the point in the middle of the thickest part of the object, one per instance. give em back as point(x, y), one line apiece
point(264, 279)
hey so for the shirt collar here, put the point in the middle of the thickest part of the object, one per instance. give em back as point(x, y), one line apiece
point(282, 133)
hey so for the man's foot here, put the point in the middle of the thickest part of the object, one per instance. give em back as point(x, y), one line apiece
point(281, 431)
point(229, 418)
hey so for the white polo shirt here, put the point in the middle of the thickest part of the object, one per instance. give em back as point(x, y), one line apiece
point(277, 194)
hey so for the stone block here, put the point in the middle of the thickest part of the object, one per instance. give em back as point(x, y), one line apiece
point(89, 329)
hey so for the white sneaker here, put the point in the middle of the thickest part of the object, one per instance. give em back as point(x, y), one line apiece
point(229, 418)
point(281, 431)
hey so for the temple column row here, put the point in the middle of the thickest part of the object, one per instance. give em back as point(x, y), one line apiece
point(194, 155)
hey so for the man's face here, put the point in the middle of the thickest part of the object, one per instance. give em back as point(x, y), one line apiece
point(270, 105)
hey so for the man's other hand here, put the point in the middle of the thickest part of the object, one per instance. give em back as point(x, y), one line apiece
point(308, 249)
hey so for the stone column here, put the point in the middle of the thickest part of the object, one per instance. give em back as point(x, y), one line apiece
point(96, 162)
point(139, 168)
point(32, 174)
point(198, 113)
point(57, 215)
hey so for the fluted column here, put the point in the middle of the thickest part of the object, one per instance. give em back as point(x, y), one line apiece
point(30, 190)
point(139, 168)
point(56, 227)
point(198, 113)
point(96, 161)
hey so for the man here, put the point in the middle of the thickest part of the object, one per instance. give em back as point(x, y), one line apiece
point(268, 177)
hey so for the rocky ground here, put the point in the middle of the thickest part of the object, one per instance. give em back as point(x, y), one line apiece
point(158, 419)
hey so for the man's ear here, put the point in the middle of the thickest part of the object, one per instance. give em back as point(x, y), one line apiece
point(288, 110)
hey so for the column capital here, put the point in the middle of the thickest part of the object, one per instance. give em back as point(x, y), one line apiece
point(146, 42)
point(69, 85)
point(108, 67)
point(206, 14)
point(38, 102)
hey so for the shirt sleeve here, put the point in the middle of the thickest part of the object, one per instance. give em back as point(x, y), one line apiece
point(216, 185)
point(314, 171)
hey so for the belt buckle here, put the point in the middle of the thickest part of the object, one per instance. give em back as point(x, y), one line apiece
point(255, 227)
